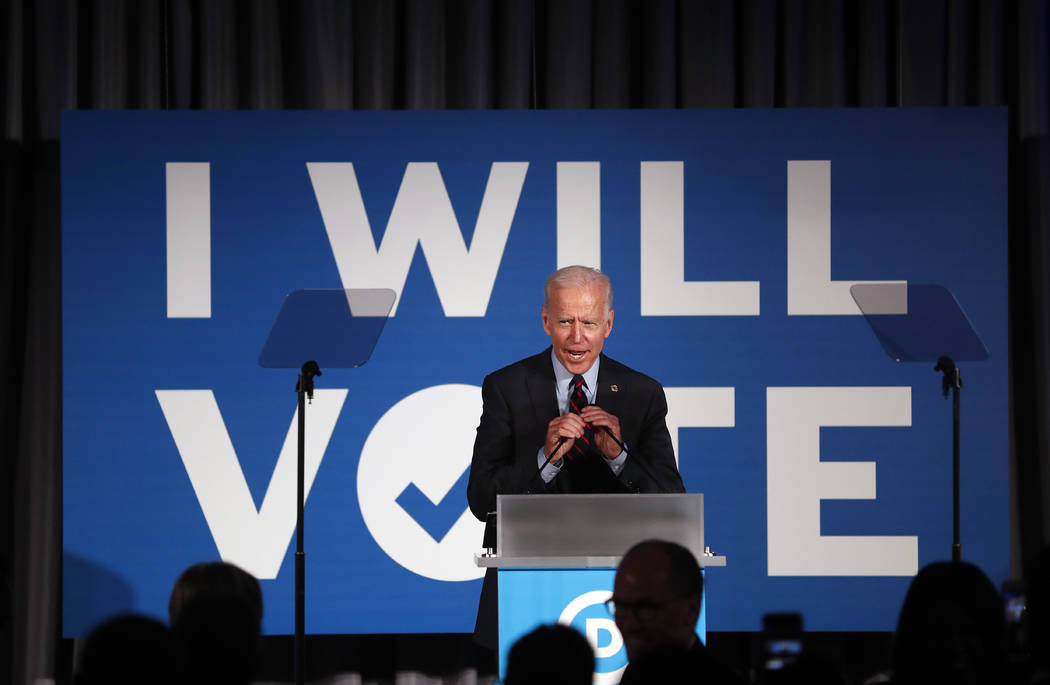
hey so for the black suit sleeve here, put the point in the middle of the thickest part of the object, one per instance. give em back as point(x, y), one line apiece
point(649, 441)
point(501, 463)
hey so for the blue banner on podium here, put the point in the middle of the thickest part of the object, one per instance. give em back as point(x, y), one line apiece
point(576, 597)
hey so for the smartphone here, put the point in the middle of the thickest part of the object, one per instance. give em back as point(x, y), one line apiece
point(781, 641)
point(1014, 607)
point(1013, 592)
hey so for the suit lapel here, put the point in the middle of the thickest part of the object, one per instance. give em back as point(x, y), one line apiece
point(542, 394)
point(612, 394)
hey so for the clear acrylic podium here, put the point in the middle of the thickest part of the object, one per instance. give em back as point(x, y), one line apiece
point(923, 322)
point(314, 328)
point(556, 556)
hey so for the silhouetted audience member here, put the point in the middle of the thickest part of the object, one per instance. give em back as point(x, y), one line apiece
point(127, 649)
point(215, 577)
point(1037, 617)
point(550, 655)
point(216, 617)
point(951, 628)
point(656, 604)
point(217, 640)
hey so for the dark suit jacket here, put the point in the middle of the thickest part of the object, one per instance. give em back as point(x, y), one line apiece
point(677, 665)
point(519, 401)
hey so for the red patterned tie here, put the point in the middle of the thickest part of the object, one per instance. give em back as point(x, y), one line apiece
point(577, 401)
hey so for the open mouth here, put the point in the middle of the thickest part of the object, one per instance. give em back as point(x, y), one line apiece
point(576, 356)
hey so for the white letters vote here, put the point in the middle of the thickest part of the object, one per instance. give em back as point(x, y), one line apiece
point(255, 540)
point(797, 479)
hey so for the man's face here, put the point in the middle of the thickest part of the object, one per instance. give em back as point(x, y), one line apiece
point(648, 614)
point(578, 324)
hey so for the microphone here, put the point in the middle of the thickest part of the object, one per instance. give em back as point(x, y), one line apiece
point(539, 472)
point(634, 459)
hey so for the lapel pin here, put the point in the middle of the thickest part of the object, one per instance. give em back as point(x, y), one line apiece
point(614, 388)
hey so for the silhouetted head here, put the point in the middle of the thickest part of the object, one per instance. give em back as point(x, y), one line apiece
point(550, 655)
point(656, 597)
point(951, 628)
point(127, 649)
point(215, 577)
point(216, 614)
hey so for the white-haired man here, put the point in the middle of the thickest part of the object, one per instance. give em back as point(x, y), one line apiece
point(569, 419)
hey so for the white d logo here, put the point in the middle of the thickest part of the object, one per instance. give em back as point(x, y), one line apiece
point(594, 628)
point(417, 452)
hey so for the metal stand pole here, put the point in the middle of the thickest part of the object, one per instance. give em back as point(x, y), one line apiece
point(952, 381)
point(956, 543)
point(305, 390)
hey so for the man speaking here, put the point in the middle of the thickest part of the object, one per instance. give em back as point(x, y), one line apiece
point(569, 419)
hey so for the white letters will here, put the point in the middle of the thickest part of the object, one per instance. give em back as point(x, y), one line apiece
point(422, 214)
point(664, 290)
point(579, 214)
point(188, 239)
point(810, 288)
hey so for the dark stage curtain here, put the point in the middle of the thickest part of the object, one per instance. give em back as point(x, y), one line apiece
point(477, 54)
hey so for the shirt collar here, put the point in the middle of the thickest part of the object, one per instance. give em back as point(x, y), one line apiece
point(562, 376)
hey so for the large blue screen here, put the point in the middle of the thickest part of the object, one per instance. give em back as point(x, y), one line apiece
point(732, 239)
